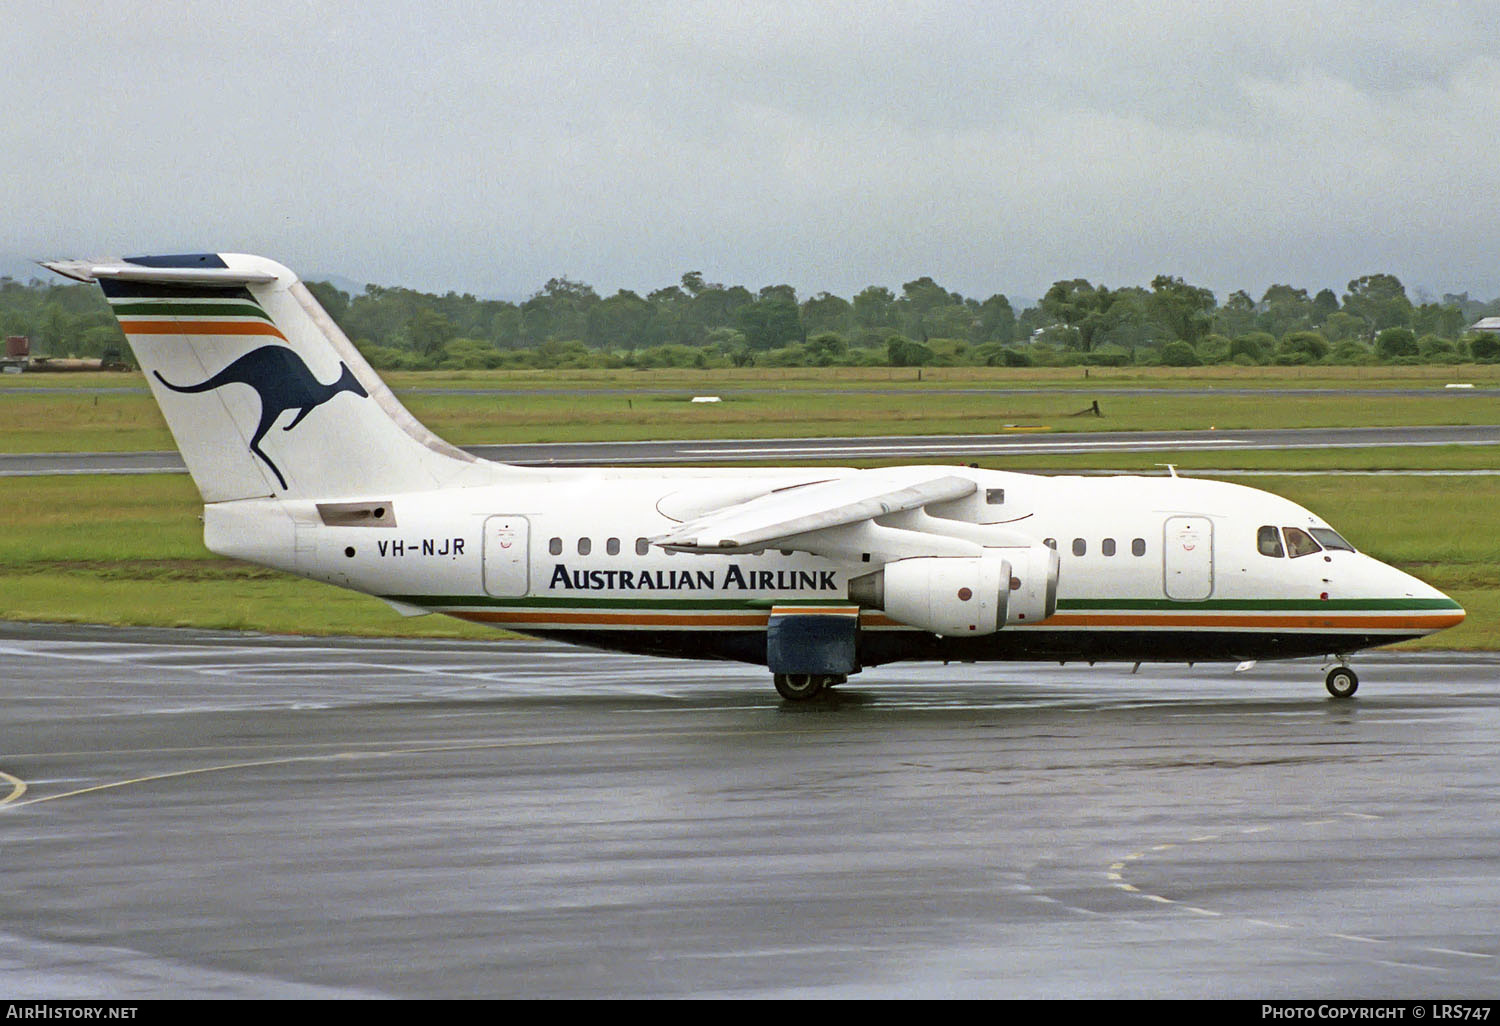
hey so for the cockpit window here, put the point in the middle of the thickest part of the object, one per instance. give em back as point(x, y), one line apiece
point(1300, 543)
point(1268, 542)
point(1330, 538)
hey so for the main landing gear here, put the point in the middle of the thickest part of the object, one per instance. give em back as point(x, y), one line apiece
point(1341, 682)
point(799, 687)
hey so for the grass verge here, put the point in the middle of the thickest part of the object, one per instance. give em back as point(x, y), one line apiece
point(59, 418)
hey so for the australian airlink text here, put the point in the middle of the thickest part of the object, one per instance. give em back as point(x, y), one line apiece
point(735, 578)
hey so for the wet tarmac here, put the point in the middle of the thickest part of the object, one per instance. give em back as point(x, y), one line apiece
point(188, 813)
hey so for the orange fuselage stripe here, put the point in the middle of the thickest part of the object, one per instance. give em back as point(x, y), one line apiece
point(1418, 621)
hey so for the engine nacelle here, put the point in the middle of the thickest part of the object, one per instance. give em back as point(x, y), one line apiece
point(1033, 594)
point(948, 595)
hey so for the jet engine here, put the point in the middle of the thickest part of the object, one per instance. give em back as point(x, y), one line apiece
point(948, 595)
point(1033, 584)
point(960, 596)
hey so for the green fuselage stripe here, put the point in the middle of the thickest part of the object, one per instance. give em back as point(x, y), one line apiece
point(1065, 605)
point(1259, 605)
point(541, 602)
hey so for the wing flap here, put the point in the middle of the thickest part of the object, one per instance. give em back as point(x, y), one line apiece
point(814, 507)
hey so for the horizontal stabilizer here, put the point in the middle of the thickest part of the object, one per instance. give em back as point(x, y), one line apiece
point(211, 277)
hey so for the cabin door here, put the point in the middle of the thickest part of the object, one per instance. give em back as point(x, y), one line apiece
point(507, 547)
point(1188, 558)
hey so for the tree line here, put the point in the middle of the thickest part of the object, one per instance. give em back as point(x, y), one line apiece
point(696, 323)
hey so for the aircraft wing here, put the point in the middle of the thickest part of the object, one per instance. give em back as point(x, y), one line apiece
point(790, 514)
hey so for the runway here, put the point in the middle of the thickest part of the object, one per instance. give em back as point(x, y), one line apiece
point(189, 814)
point(1453, 390)
point(922, 447)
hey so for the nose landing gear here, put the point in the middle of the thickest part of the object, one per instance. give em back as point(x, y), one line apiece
point(1341, 682)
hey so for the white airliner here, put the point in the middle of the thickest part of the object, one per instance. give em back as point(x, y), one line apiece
point(307, 463)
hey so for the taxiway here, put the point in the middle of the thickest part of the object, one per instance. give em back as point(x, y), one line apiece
point(889, 447)
point(190, 813)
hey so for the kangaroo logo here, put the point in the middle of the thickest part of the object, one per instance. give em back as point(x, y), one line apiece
point(283, 382)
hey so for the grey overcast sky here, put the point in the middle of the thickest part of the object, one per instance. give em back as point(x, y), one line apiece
point(487, 147)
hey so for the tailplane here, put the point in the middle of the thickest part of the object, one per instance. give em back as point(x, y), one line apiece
point(263, 392)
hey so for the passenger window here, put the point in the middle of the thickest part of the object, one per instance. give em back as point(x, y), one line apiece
point(555, 546)
point(1138, 547)
point(1268, 542)
point(585, 546)
point(612, 547)
point(1051, 543)
point(1300, 543)
point(994, 496)
point(1107, 546)
point(642, 546)
point(1080, 547)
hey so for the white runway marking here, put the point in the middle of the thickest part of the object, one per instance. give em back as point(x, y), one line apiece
point(1116, 879)
point(898, 448)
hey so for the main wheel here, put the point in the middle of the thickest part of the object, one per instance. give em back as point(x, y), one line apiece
point(799, 687)
point(1341, 682)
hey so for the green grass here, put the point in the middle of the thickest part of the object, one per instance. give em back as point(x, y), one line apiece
point(1247, 467)
point(467, 420)
point(228, 598)
point(1408, 521)
point(1481, 375)
point(128, 550)
point(60, 418)
point(63, 420)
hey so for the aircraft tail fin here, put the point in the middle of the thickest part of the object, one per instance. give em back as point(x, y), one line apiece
point(263, 392)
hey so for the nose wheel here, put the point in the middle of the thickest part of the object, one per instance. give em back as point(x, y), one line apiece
point(1341, 682)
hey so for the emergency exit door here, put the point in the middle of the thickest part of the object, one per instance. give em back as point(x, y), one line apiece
point(507, 559)
point(1188, 558)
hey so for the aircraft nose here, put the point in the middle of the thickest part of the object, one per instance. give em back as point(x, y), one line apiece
point(1437, 609)
point(1458, 612)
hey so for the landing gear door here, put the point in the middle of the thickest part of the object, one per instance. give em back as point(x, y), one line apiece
point(1188, 558)
point(507, 547)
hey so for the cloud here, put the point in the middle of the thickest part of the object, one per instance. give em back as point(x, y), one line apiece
point(489, 147)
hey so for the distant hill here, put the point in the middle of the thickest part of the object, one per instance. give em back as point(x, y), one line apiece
point(338, 281)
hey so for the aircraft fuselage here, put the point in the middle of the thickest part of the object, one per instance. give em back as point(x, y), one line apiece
point(1151, 569)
